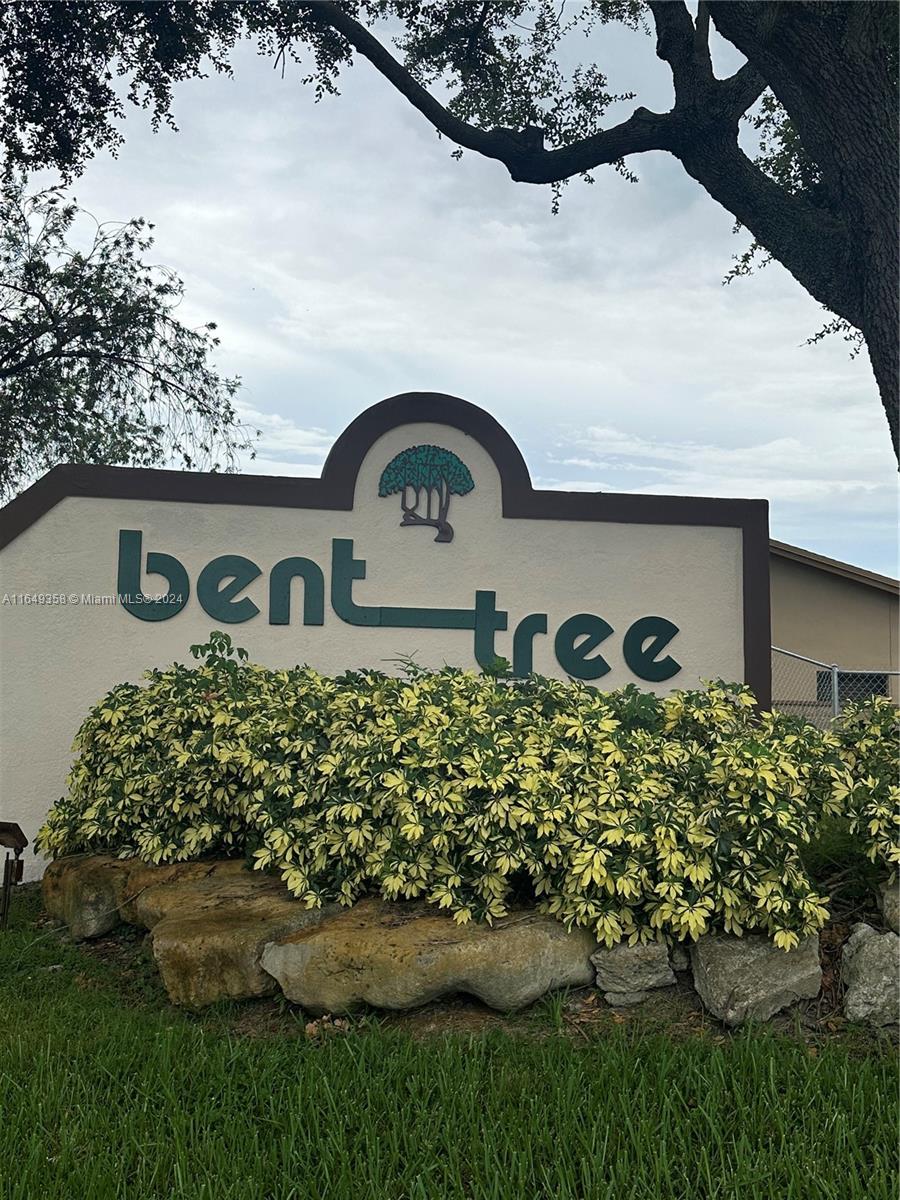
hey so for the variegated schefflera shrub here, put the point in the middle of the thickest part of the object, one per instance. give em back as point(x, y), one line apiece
point(869, 747)
point(637, 816)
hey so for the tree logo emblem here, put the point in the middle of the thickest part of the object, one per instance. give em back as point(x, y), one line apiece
point(426, 477)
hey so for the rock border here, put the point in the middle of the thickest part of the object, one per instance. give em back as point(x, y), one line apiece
point(219, 931)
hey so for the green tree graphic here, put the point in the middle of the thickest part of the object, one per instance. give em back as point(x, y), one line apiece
point(429, 474)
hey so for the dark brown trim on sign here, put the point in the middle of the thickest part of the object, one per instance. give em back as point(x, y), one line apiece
point(757, 603)
point(335, 489)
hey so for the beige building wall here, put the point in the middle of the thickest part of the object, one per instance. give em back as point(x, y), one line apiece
point(847, 618)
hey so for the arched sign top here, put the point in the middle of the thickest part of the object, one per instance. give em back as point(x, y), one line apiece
point(434, 408)
point(334, 489)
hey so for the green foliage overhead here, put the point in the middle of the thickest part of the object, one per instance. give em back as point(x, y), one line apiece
point(527, 84)
point(425, 467)
point(640, 817)
point(95, 366)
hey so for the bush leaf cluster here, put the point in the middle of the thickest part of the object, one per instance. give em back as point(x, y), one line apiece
point(638, 816)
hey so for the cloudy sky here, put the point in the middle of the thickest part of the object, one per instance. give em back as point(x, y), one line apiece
point(347, 257)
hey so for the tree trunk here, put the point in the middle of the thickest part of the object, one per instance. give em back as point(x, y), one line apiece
point(880, 329)
point(445, 529)
point(829, 65)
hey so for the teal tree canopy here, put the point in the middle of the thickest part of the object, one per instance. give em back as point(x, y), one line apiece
point(425, 467)
point(428, 473)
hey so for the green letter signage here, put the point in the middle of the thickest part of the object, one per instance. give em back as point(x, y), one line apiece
point(131, 595)
point(344, 570)
point(487, 621)
point(280, 591)
point(219, 601)
point(221, 581)
point(574, 658)
point(643, 660)
point(523, 642)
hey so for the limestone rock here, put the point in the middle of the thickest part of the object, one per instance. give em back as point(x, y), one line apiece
point(625, 999)
point(209, 923)
point(86, 892)
point(889, 902)
point(162, 893)
point(209, 920)
point(402, 955)
point(216, 954)
point(156, 891)
point(745, 978)
point(630, 971)
point(679, 958)
point(870, 970)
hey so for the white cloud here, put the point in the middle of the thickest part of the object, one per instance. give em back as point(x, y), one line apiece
point(282, 447)
point(820, 495)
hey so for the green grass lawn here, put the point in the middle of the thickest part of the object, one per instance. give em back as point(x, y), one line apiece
point(107, 1091)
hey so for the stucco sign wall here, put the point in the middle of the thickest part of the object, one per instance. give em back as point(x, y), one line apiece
point(424, 537)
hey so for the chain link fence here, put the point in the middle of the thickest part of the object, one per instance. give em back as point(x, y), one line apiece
point(818, 691)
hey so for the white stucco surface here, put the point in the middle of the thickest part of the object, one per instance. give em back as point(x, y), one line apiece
point(57, 660)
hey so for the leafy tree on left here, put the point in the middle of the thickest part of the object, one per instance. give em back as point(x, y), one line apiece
point(95, 367)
